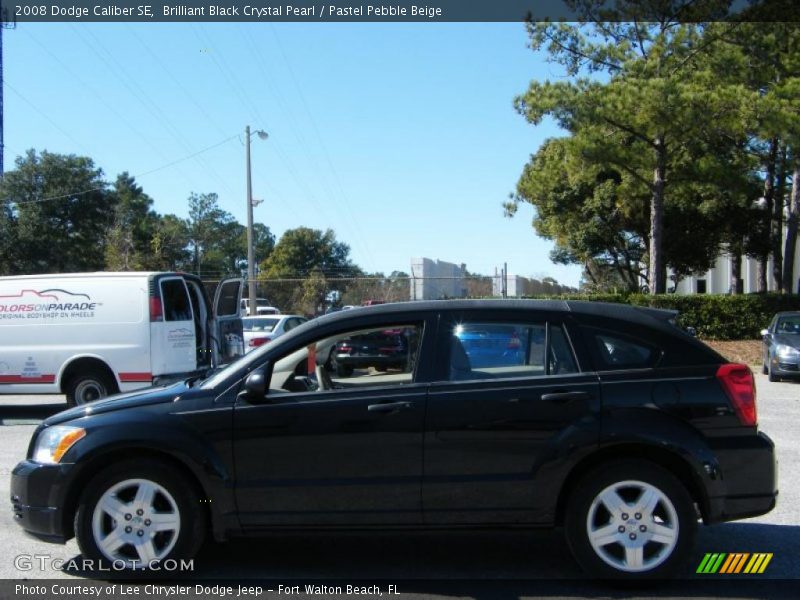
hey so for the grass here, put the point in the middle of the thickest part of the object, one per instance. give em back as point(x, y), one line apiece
point(741, 351)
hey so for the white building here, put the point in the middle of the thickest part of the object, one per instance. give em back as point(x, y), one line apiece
point(518, 286)
point(717, 279)
point(436, 279)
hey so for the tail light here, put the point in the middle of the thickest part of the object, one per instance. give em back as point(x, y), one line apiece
point(344, 349)
point(737, 381)
point(256, 342)
point(156, 310)
point(514, 343)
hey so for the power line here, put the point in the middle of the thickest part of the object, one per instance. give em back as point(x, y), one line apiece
point(102, 97)
point(312, 120)
point(140, 175)
point(141, 95)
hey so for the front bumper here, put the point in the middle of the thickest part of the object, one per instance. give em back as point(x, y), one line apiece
point(785, 367)
point(37, 493)
point(749, 474)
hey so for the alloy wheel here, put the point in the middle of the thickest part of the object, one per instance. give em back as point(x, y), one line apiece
point(136, 522)
point(632, 526)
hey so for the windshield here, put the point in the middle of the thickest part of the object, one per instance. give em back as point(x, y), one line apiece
point(258, 324)
point(788, 324)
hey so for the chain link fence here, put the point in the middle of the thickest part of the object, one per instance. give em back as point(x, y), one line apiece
point(316, 294)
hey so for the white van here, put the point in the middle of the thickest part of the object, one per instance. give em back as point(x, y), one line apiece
point(262, 307)
point(88, 335)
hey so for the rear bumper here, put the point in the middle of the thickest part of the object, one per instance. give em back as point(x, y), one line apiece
point(749, 476)
point(36, 492)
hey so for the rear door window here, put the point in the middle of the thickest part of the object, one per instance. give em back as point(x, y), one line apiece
point(614, 351)
point(177, 306)
point(498, 350)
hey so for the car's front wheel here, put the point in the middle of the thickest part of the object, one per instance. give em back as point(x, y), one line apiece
point(770, 375)
point(630, 520)
point(135, 514)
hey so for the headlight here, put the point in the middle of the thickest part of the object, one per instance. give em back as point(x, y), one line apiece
point(53, 443)
point(787, 351)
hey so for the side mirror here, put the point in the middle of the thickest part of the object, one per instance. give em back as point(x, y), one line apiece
point(255, 386)
point(691, 331)
point(764, 332)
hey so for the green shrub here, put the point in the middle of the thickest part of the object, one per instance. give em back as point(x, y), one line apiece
point(714, 316)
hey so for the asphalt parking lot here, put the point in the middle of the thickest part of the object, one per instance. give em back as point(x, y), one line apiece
point(499, 557)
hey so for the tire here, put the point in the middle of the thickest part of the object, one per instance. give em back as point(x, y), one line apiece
point(771, 376)
point(344, 370)
point(630, 553)
point(174, 508)
point(88, 387)
point(764, 369)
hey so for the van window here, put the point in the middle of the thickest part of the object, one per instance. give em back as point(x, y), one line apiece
point(229, 298)
point(176, 300)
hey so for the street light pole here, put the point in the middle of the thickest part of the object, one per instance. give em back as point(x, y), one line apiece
point(251, 274)
point(251, 254)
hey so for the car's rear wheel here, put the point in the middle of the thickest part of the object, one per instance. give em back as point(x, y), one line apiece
point(630, 520)
point(88, 387)
point(135, 514)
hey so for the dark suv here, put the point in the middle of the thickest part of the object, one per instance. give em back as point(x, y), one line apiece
point(606, 419)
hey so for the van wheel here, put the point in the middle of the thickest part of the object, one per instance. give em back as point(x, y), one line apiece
point(138, 513)
point(88, 387)
point(630, 520)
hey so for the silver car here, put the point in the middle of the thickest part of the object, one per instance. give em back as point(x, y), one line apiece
point(260, 330)
point(781, 351)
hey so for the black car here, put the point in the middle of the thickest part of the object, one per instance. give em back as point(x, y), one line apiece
point(615, 424)
point(383, 350)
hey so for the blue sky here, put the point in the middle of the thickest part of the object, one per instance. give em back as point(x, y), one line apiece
point(400, 137)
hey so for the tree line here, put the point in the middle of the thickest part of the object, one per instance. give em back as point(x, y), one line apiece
point(682, 142)
point(59, 214)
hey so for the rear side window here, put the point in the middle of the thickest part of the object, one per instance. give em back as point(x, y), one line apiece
point(494, 350)
point(176, 300)
point(615, 351)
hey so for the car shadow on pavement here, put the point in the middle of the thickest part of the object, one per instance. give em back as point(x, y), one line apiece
point(484, 564)
point(27, 414)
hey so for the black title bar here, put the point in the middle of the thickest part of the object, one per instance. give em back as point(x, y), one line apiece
point(332, 11)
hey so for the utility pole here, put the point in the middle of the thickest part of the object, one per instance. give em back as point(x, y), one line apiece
point(251, 254)
point(251, 272)
point(4, 24)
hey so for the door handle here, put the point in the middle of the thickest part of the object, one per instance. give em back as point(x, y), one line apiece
point(388, 407)
point(564, 397)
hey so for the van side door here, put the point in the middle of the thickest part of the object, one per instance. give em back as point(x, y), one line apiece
point(227, 326)
point(173, 340)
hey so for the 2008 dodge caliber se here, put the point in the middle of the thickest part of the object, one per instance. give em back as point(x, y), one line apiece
point(606, 419)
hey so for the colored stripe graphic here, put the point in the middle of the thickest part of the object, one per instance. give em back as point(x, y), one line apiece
point(729, 564)
point(758, 563)
point(734, 563)
point(711, 562)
